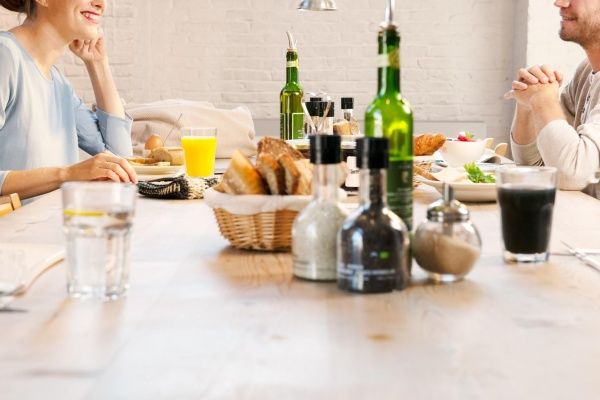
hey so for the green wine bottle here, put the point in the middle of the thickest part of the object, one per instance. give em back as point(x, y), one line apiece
point(389, 115)
point(291, 114)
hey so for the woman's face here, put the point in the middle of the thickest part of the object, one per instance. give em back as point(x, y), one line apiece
point(75, 19)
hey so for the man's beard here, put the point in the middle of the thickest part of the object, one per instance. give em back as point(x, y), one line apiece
point(586, 34)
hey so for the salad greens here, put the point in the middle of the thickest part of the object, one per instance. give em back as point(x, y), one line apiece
point(476, 175)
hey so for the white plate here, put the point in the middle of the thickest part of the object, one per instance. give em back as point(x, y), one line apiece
point(157, 169)
point(469, 192)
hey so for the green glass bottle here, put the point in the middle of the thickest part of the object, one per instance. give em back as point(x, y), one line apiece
point(291, 114)
point(390, 116)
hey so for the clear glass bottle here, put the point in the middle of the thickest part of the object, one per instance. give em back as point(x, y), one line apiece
point(314, 233)
point(373, 243)
point(348, 113)
point(447, 244)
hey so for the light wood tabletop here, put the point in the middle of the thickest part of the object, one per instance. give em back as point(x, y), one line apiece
point(204, 321)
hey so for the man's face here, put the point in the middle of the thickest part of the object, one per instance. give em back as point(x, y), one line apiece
point(580, 21)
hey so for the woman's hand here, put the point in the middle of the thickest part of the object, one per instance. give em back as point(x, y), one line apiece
point(90, 51)
point(102, 167)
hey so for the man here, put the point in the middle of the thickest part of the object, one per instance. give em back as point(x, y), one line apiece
point(562, 131)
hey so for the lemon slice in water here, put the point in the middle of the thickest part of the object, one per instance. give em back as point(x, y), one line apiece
point(83, 213)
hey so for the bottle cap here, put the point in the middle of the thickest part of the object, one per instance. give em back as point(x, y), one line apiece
point(313, 108)
point(323, 106)
point(325, 149)
point(447, 209)
point(372, 153)
point(347, 103)
point(316, 99)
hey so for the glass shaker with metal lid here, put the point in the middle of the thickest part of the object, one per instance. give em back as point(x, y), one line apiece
point(447, 244)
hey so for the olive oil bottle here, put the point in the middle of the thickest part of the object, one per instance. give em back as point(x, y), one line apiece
point(389, 115)
point(291, 114)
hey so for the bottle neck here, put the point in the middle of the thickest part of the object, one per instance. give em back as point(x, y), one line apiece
point(348, 114)
point(373, 187)
point(292, 67)
point(389, 62)
point(325, 182)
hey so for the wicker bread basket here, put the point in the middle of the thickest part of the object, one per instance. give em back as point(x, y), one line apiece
point(267, 231)
point(258, 222)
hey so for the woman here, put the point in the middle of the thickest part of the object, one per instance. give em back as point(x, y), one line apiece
point(42, 121)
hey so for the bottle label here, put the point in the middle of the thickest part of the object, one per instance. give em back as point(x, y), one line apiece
point(291, 126)
point(400, 190)
point(391, 59)
point(356, 271)
point(292, 64)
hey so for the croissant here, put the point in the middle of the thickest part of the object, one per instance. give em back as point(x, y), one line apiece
point(427, 143)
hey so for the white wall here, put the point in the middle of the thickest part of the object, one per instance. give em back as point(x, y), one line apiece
point(458, 57)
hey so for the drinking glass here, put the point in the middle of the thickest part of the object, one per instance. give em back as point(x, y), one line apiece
point(526, 198)
point(199, 148)
point(98, 217)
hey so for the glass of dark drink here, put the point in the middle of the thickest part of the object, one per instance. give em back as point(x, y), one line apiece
point(526, 198)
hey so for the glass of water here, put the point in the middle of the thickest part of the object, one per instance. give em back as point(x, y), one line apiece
point(97, 222)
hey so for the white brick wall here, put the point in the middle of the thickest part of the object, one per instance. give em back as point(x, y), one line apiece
point(458, 57)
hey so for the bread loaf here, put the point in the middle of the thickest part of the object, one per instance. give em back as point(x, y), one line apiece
point(298, 175)
point(277, 147)
point(272, 172)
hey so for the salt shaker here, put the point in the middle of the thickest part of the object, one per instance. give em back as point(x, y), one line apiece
point(447, 244)
point(314, 233)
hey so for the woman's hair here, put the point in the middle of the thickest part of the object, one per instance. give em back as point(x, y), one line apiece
point(22, 6)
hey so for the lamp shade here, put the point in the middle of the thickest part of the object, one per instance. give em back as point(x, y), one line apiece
point(317, 5)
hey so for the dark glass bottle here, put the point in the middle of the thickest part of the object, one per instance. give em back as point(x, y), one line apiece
point(373, 243)
point(389, 115)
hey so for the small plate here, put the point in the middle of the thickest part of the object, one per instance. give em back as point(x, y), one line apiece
point(157, 169)
point(468, 192)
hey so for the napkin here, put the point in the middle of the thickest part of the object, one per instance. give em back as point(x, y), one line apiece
point(235, 128)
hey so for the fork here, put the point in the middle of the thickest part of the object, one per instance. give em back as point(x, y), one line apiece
point(584, 257)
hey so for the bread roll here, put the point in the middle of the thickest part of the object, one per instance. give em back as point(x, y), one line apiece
point(428, 143)
point(174, 155)
point(241, 177)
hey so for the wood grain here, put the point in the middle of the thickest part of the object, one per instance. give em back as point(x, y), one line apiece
point(203, 320)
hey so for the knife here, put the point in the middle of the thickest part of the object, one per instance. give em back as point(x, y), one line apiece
point(587, 260)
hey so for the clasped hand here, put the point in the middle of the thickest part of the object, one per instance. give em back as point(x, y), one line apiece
point(533, 83)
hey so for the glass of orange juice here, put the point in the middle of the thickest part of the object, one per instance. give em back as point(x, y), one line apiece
point(199, 148)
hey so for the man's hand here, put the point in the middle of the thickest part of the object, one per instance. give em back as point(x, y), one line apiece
point(547, 92)
point(533, 76)
point(90, 51)
point(538, 74)
point(102, 167)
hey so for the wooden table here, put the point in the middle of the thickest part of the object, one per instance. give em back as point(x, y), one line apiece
point(205, 321)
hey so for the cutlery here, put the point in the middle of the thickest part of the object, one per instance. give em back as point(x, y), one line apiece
point(586, 259)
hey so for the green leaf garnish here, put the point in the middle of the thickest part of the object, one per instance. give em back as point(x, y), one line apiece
point(476, 175)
